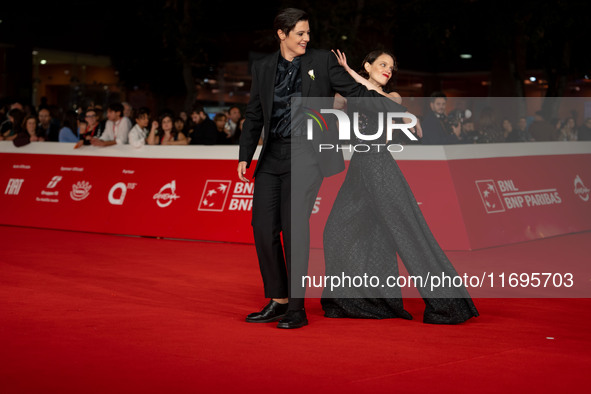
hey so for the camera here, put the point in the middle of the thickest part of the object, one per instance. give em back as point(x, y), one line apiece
point(457, 117)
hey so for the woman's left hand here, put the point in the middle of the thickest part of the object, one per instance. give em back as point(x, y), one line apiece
point(341, 58)
point(417, 129)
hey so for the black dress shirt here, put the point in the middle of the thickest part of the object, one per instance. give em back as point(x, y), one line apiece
point(288, 84)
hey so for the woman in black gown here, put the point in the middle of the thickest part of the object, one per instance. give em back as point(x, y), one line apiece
point(374, 217)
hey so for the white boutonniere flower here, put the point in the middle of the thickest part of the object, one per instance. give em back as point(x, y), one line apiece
point(311, 74)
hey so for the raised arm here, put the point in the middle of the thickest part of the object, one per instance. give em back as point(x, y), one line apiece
point(342, 59)
point(391, 105)
point(152, 139)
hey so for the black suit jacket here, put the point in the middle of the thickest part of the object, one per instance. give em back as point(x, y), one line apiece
point(329, 78)
point(434, 132)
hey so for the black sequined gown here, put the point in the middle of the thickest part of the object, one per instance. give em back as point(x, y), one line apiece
point(375, 216)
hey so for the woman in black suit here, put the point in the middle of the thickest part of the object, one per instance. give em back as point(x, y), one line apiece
point(284, 198)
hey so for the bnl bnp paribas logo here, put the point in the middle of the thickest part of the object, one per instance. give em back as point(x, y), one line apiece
point(344, 125)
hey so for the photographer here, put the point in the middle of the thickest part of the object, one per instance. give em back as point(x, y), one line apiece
point(437, 128)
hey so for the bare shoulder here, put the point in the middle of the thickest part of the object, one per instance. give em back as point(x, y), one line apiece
point(396, 97)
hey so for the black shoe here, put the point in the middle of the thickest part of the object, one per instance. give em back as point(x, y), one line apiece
point(272, 312)
point(293, 319)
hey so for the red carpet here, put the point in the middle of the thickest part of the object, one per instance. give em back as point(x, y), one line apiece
point(88, 313)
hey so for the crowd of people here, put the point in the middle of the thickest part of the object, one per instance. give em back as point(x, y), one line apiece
point(121, 124)
point(441, 128)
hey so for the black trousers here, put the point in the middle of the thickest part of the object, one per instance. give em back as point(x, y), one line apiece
point(286, 185)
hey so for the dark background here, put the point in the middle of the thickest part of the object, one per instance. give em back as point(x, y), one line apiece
point(169, 46)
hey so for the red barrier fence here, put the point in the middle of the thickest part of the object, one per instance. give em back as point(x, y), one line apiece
point(472, 196)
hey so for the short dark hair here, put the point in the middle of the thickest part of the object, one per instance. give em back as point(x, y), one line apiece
point(219, 115)
point(116, 107)
point(436, 95)
point(142, 111)
point(286, 20)
point(197, 109)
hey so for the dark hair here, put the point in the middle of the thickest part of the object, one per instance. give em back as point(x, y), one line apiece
point(219, 115)
point(179, 119)
point(234, 106)
point(70, 120)
point(142, 111)
point(436, 95)
point(82, 118)
point(197, 109)
point(371, 57)
point(487, 118)
point(287, 19)
point(18, 117)
point(116, 107)
point(165, 115)
point(26, 119)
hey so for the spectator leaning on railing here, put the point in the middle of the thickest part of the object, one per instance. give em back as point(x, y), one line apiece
point(69, 131)
point(49, 128)
point(29, 132)
point(234, 116)
point(166, 135)
point(116, 129)
point(180, 125)
point(91, 127)
point(139, 132)
point(541, 129)
point(14, 125)
point(127, 110)
point(520, 132)
point(567, 131)
point(204, 131)
point(584, 133)
point(224, 135)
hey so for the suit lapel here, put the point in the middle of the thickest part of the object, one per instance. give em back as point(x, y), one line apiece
point(305, 68)
point(268, 82)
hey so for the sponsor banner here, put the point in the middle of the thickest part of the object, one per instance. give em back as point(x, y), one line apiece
point(191, 199)
point(469, 203)
point(515, 199)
